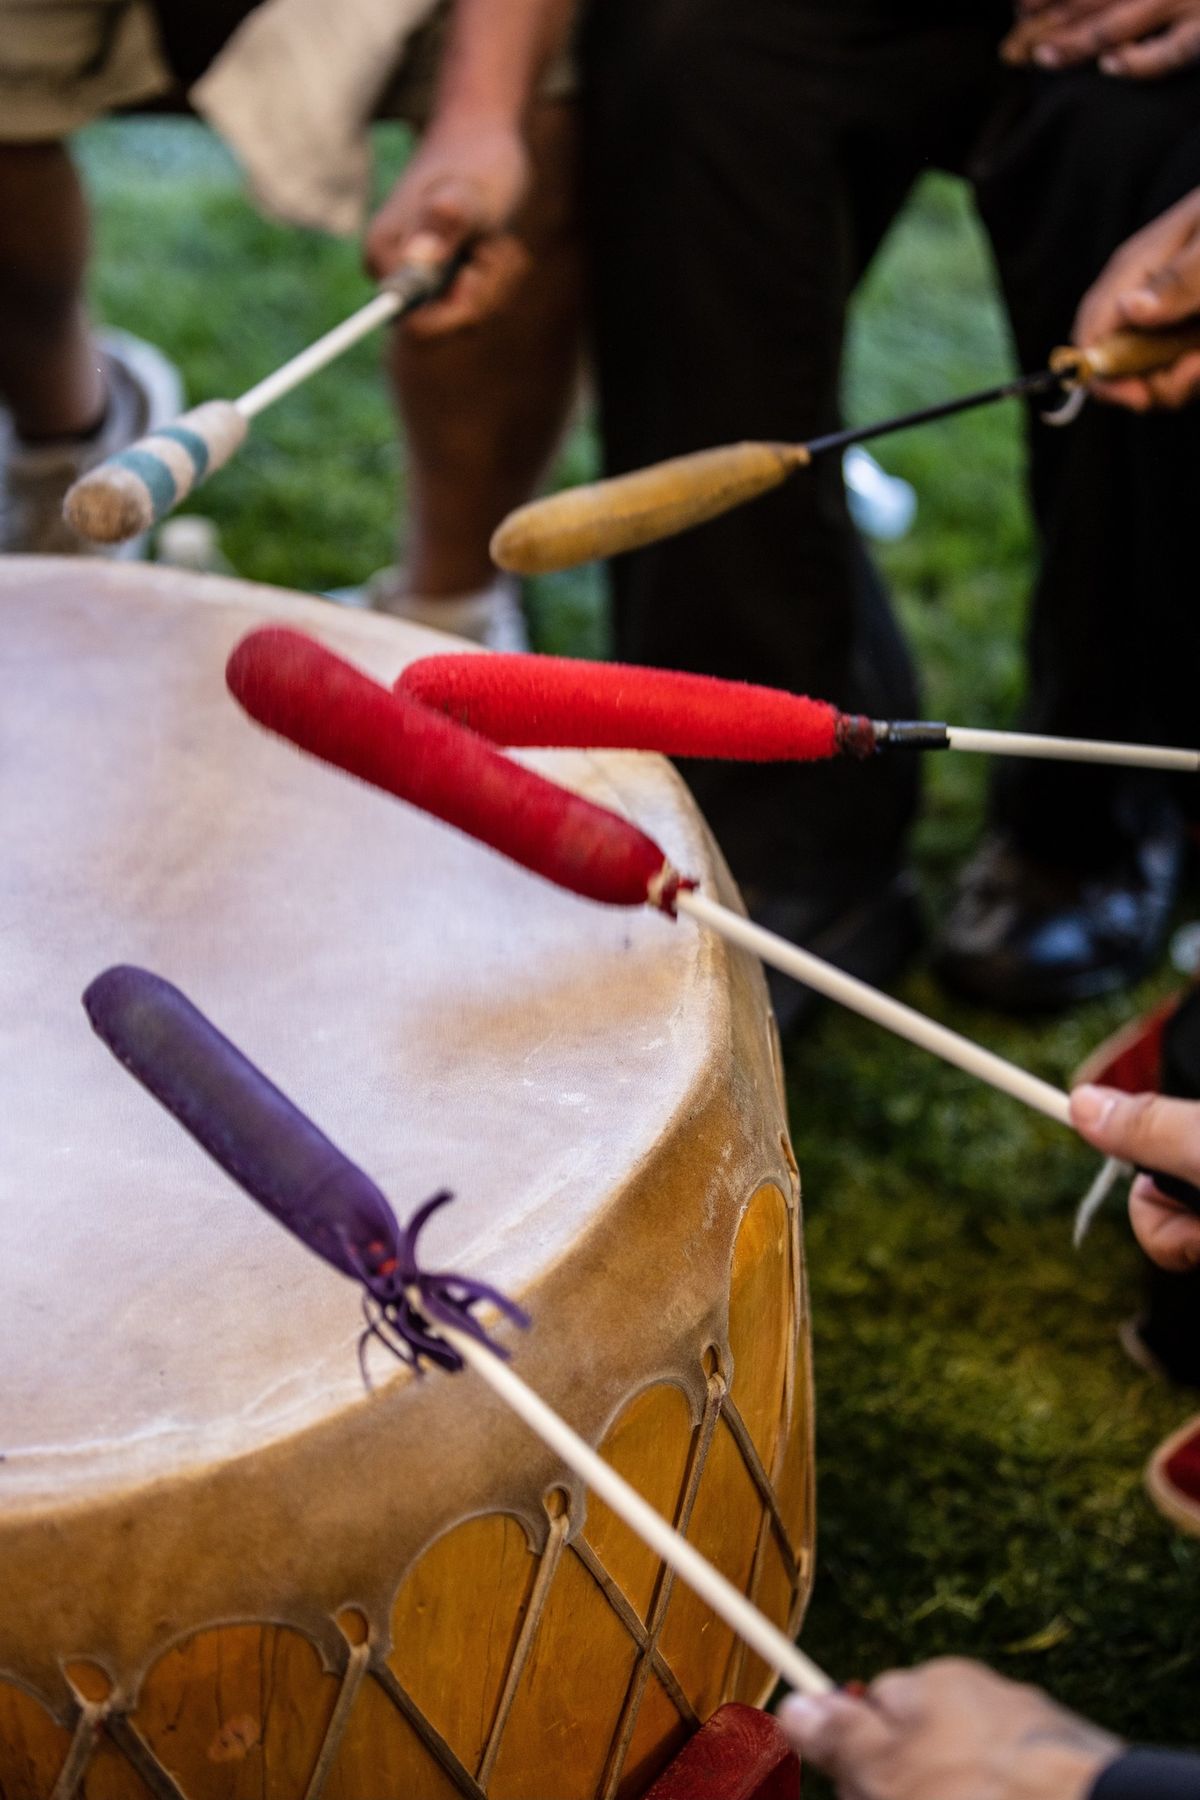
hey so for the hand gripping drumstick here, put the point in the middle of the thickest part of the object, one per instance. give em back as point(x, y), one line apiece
point(626, 512)
point(131, 491)
point(295, 687)
point(557, 702)
point(269, 1148)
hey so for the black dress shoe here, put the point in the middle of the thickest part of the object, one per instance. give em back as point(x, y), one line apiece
point(1023, 936)
point(873, 936)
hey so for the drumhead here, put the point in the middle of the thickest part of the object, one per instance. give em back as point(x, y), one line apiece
point(447, 1018)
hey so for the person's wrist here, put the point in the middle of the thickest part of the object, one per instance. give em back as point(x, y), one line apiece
point(468, 111)
point(1060, 1771)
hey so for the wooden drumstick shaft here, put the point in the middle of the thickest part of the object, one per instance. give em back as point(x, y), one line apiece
point(318, 355)
point(627, 512)
point(131, 491)
point(871, 1003)
point(914, 734)
point(1056, 749)
point(728, 1602)
point(325, 706)
point(557, 702)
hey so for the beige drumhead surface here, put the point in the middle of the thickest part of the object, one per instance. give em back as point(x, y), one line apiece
point(447, 1018)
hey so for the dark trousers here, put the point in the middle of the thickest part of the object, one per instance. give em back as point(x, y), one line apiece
point(745, 158)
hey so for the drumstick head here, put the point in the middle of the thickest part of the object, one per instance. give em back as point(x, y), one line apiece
point(297, 688)
point(278, 1156)
point(559, 702)
point(130, 491)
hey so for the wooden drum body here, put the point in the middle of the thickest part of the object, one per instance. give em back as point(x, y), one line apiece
point(226, 1572)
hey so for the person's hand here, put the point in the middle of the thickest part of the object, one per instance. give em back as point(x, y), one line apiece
point(1144, 39)
point(1158, 1133)
point(1153, 280)
point(950, 1730)
point(461, 189)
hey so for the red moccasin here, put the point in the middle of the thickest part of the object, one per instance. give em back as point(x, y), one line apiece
point(1173, 1477)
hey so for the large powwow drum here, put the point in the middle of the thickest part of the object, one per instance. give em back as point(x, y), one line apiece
point(225, 1568)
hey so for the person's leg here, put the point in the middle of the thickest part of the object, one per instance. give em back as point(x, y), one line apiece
point(70, 396)
point(73, 397)
point(482, 411)
point(1078, 897)
point(49, 373)
point(743, 162)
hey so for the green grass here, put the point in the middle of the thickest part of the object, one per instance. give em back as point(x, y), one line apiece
point(980, 1435)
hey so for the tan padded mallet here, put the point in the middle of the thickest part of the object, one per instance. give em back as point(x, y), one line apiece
point(626, 512)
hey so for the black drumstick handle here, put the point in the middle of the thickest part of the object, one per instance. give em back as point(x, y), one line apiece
point(1175, 1188)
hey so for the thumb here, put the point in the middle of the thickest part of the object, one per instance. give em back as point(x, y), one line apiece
point(1149, 1129)
point(834, 1732)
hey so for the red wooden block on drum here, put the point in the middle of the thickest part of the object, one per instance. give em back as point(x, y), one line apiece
point(740, 1754)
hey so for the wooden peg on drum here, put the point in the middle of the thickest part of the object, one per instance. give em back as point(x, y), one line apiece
point(128, 493)
point(282, 1160)
point(558, 702)
point(626, 512)
point(295, 687)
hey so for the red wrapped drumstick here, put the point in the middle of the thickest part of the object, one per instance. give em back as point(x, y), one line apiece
point(556, 702)
point(297, 688)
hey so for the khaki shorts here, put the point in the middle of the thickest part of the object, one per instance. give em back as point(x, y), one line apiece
point(64, 63)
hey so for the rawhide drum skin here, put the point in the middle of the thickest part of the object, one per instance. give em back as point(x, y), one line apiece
point(227, 1570)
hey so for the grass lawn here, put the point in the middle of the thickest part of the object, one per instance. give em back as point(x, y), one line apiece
point(980, 1434)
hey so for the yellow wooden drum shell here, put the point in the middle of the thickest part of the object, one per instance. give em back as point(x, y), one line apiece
point(406, 1595)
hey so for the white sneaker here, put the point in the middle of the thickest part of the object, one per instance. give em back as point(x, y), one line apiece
point(191, 541)
point(144, 391)
point(491, 617)
point(883, 506)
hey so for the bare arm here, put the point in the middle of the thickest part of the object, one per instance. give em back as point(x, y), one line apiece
point(467, 180)
point(492, 68)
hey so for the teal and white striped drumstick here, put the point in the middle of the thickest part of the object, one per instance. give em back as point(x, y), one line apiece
point(127, 493)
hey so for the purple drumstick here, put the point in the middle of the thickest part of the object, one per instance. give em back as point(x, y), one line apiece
point(283, 1161)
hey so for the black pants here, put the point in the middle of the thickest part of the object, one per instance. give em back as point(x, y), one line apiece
point(745, 158)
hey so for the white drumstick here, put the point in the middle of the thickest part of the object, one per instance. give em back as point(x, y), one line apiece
point(1045, 749)
point(129, 492)
point(871, 1003)
point(728, 1602)
point(556, 702)
point(294, 686)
